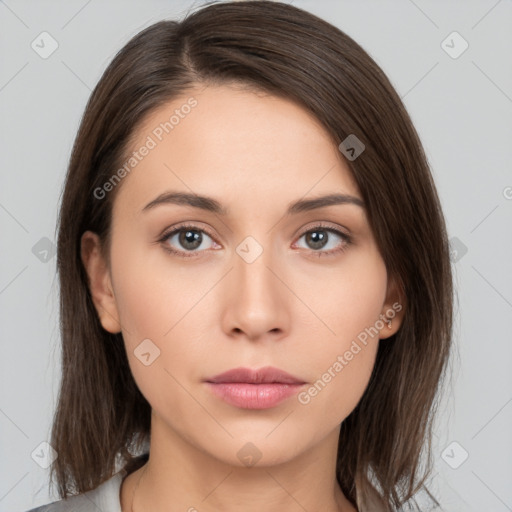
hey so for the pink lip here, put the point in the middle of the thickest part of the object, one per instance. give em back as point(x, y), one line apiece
point(254, 389)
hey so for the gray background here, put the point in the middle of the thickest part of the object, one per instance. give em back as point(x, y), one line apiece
point(462, 108)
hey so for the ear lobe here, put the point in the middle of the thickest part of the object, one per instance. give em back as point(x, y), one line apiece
point(393, 309)
point(100, 284)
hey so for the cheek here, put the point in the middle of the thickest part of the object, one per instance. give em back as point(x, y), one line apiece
point(344, 299)
point(153, 295)
point(145, 307)
point(341, 360)
point(341, 378)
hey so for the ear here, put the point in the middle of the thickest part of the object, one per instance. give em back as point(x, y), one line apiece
point(100, 284)
point(393, 309)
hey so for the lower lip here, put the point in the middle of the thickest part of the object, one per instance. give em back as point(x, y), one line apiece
point(254, 396)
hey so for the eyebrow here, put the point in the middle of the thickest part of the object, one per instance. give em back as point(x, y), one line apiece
point(212, 205)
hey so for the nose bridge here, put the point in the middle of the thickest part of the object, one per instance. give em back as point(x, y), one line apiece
point(258, 300)
point(252, 262)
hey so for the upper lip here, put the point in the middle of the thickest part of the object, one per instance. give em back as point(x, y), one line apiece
point(267, 374)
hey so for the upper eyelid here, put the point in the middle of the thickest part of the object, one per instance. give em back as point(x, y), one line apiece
point(176, 229)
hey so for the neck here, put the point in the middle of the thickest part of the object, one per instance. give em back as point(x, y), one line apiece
point(180, 475)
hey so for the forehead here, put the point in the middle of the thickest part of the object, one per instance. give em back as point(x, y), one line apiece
point(237, 144)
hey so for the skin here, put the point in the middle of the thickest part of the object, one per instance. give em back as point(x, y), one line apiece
point(255, 154)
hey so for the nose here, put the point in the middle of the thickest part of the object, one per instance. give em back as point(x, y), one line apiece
point(256, 300)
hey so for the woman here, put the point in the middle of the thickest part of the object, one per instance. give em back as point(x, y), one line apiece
point(256, 293)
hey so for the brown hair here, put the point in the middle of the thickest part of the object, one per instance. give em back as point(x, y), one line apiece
point(101, 417)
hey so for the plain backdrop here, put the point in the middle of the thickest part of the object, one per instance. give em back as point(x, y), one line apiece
point(460, 100)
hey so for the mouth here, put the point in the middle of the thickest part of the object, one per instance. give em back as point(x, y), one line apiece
point(254, 389)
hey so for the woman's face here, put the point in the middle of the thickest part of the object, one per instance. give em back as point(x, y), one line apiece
point(261, 283)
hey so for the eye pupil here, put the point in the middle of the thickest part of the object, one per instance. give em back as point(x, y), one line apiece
point(316, 239)
point(188, 236)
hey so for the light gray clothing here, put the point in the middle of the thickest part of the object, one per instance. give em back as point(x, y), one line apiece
point(106, 497)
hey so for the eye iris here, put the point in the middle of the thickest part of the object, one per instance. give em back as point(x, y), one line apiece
point(316, 239)
point(188, 236)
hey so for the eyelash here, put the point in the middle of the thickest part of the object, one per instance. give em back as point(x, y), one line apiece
point(347, 240)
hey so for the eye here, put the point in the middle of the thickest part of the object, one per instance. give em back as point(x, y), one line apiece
point(189, 239)
point(325, 241)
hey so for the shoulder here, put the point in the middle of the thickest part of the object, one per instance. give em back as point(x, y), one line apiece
point(422, 501)
point(105, 498)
